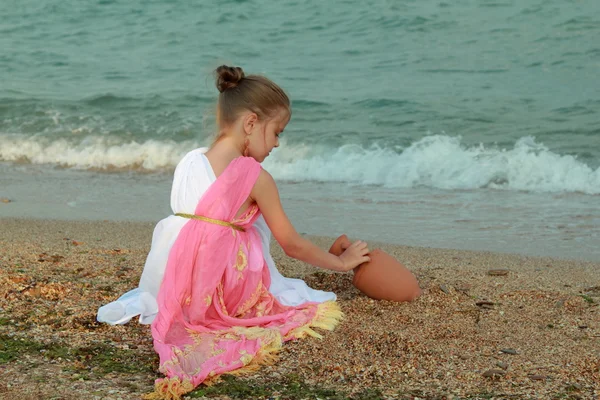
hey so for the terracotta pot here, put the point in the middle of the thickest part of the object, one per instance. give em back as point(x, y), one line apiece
point(382, 278)
point(340, 244)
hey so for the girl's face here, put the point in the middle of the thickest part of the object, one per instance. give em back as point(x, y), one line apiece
point(264, 135)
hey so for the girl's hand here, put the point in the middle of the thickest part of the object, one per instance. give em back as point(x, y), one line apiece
point(355, 255)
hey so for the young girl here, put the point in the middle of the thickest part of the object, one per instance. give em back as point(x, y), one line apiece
point(217, 310)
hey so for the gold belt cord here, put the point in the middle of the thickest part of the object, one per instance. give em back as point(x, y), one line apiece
point(212, 221)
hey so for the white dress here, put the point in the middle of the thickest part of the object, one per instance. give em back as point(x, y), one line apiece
point(193, 176)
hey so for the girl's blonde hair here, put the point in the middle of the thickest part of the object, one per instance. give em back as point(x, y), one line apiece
point(240, 92)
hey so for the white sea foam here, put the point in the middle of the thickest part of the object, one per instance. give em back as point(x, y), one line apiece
point(434, 161)
point(443, 162)
point(94, 152)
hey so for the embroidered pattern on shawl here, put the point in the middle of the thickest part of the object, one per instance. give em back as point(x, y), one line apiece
point(216, 314)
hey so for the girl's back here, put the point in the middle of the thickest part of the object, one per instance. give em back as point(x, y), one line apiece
point(219, 160)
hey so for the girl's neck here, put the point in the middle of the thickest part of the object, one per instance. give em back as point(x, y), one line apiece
point(222, 153)
point(229, 146)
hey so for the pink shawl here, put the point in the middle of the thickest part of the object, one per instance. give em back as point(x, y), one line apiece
point(216, 314)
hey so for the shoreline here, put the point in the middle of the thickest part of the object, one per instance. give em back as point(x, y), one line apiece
point(21, 228)
point(536, 328)
point(559, 225)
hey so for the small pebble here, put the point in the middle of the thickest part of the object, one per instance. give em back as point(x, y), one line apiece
point(463, 287)
point(537, 377)
point(573, 387)
point(493, 373)
point(509, 351)
point(502, 365)
point(485, 304)
point(498, 272)
point(444, 289)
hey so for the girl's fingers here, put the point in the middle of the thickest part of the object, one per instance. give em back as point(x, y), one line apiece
point(359, 243)
point(361, 248)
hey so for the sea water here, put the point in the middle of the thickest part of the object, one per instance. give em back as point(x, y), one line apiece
point(464, 124)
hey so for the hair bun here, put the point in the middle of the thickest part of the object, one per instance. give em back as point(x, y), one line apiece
point(228, 77)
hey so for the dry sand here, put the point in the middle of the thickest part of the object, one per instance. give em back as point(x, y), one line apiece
point(544, 314)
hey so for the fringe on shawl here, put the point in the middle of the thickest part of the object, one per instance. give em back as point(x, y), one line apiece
point(327, 317)
point(169, 389)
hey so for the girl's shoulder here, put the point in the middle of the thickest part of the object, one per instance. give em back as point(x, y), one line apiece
point(245, 165)
point(248, 161)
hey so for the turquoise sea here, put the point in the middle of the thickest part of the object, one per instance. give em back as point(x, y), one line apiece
point(465, 124)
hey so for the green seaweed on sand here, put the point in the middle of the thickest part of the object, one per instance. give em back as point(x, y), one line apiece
point(99, 358)
point(587, 298)
point(287, 387)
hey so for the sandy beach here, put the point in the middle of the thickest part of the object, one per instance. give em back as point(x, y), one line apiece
point(529, 331)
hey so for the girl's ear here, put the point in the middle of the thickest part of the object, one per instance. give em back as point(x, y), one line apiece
point(250, 120)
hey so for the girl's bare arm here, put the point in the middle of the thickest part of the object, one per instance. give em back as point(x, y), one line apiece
point(266, 195)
